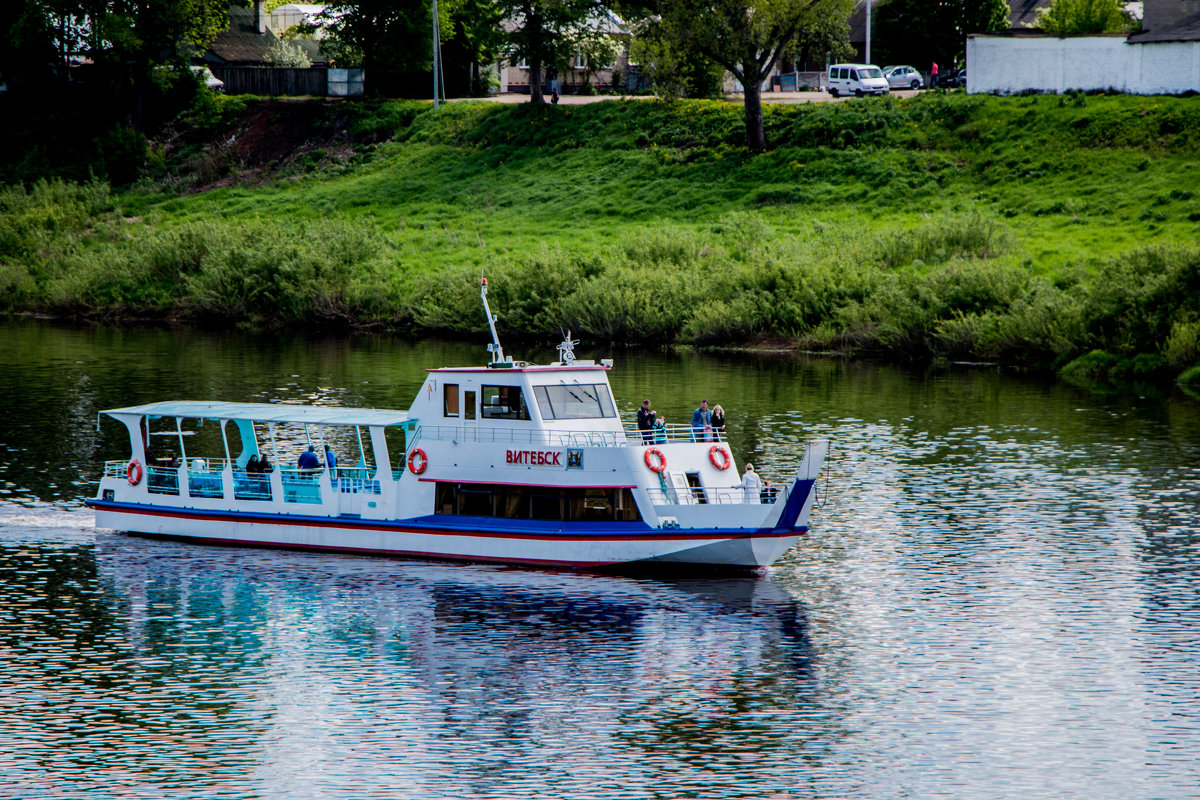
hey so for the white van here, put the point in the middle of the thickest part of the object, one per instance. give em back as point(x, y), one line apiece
point(856, 79)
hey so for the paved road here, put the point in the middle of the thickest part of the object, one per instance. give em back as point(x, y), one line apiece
point(786, 98)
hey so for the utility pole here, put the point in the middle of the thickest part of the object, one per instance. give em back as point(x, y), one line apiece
point(437, 54)
point(868, 54)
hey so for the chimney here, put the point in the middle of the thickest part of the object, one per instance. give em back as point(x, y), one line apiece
point(1159, 14)
point(260, 20)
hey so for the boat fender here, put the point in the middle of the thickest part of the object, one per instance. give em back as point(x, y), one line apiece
point(134, 473)
point(719, 457)
point(417, 461)
point(655, 460)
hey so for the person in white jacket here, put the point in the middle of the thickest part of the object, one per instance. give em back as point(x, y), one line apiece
point(751, 484)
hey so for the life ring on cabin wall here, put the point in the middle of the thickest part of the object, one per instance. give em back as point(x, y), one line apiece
point(133, 473)
point(655, 460)
point(417, 461)
point(719, 457)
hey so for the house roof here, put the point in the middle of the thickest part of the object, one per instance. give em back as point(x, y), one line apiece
point(241, 43)
point(1023, 13)
point(1186, 29)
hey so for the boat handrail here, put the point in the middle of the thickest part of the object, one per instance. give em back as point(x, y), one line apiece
point(628, 436)
point(694, 495)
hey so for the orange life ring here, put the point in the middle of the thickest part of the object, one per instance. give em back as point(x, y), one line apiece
point(417, 461)
point(725, 459)
point(655, 460)
point(133, 473)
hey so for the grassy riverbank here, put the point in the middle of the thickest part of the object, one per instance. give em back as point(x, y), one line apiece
point(1029, 230)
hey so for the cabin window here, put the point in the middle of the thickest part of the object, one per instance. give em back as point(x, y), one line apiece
point(503, 402)
point(468, 405)
point(537, 502)
point(575, 401)
point(450, 399)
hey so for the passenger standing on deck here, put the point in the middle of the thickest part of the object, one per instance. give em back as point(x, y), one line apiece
point(751, 484)
point(330, 458)
point(718, 422)
point(308, 460)
point(660, 430)
point(701, 419)
point(769, 492)
point(646, 422)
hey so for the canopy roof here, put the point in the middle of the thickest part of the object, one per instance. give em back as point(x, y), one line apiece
point(266, 412)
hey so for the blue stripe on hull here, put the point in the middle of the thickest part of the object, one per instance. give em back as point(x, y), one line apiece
point(458, 526)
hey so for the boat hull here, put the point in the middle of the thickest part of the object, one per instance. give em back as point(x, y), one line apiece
point(475, 540)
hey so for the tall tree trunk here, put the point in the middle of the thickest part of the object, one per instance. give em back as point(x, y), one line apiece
point(754, 118)
point(535, 81)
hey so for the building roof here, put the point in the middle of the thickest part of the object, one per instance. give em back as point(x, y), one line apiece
point(265, 412)
point(241, 43)
point(1023, 13)
point(1186, 29)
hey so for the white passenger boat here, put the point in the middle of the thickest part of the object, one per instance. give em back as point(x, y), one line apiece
point(511, 462)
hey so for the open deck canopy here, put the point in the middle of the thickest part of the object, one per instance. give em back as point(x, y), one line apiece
point(266, 412)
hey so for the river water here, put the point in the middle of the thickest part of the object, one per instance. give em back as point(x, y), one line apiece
point(1000, 597)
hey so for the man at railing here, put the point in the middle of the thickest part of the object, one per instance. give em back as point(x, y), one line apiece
point(645, 420)
point(701, 420)
point(308, 461)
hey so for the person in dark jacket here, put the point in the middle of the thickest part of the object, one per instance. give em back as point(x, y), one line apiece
point(252, 466)
point(646, 422)
point(718, 423)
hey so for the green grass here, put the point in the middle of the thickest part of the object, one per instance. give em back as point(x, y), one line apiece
point(1032, 230)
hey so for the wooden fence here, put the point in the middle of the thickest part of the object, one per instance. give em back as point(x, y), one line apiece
point(274, 81)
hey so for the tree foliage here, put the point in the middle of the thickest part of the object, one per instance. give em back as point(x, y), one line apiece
point(391, 39)
point(919, 32)
point(745, 37)
point(1083, 17)
point(545, 32)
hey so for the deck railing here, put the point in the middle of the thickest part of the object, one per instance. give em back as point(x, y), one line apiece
point(728, 496)
point(628, 436)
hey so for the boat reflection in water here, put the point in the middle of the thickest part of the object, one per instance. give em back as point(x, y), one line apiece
point(427, 614)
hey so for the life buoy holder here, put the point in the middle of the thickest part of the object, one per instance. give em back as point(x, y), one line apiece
point(133, 473)
point(719, 457)
point(417, 461)
point(655, 460)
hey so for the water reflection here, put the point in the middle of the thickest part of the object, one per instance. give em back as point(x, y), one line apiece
point(187, 667)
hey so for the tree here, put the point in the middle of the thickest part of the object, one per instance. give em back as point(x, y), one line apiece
point(919, 32)
point(391, 39)
point(1083, 17)
point(746, 37)
point(827, 38)
point(544, 32)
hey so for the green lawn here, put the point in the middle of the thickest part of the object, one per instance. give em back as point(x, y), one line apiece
point(1028, 229)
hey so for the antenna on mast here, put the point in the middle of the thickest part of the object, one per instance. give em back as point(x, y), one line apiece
point(494, 348)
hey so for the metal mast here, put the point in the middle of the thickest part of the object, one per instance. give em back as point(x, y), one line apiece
point(494, 348)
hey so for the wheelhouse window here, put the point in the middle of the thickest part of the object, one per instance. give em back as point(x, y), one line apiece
point(503, 402)
point(552, 503)
point(450, 399)
point(574, 401)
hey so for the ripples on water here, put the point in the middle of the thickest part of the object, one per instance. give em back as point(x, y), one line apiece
point(1000, 598)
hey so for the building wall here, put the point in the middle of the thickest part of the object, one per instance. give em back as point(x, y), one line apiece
point(1009, 65)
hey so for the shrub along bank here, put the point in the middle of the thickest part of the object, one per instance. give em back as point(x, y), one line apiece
point(1041, 231)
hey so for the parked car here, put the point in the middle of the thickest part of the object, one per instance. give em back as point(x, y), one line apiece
point(953, 79)
point(903, 77)
point(210, 80)
point(856, 79)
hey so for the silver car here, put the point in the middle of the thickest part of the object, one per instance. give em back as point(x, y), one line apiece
point(903, 77)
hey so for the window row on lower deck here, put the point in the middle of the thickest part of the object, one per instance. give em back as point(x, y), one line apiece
point(536, 502)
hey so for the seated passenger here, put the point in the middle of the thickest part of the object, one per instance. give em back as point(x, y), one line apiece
point(252, 466)
point(265, 466)
point(308, 460)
